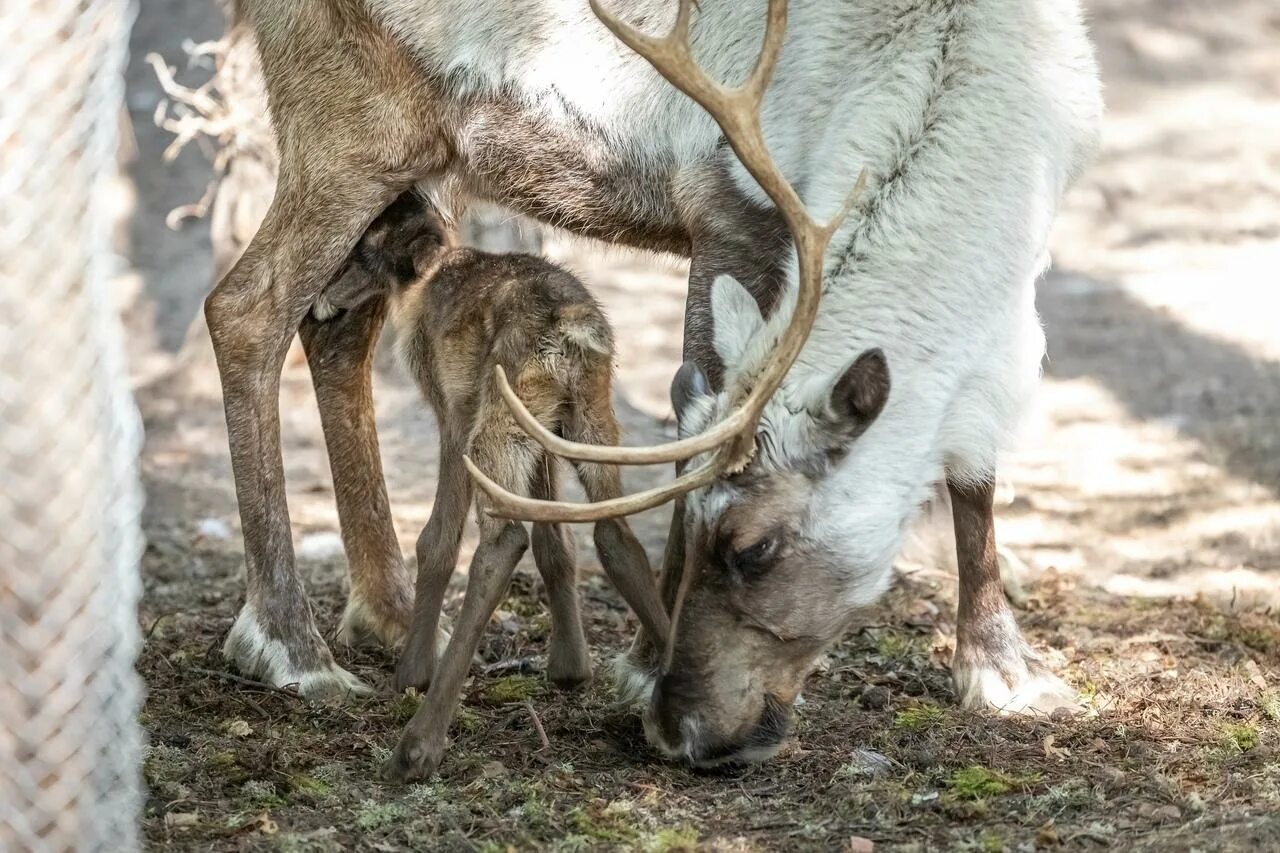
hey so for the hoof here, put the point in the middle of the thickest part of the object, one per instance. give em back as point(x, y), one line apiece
point(571, 674)
point(414, 671)
point(300, 660)
point(412, 761)
point(383, 621)
point(1019, 685)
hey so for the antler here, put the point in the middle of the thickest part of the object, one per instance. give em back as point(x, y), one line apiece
point(736, 110)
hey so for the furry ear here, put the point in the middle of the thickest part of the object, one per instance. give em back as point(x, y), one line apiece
point(736, 320)
point(689, 387)
point(859, 394)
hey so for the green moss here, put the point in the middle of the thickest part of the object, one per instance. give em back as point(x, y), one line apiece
point(468, 722)
point(309, 788)
point(674, 840)
point(1270, 705)
point(1239, 737)
point(515, 688)
point(603, 825)
point(404, 706)
point(223, 758)
point(917, 717)
point(900, 648)
point(373, 816)
point(976, 782)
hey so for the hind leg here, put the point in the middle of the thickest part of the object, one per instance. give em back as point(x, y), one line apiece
point(438, 547)
point(340, 353)
point(568, 664)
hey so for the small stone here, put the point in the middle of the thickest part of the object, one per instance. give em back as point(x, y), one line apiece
point(494, 770)
point(1113, 776)
point(920, 759)
point(858, 844)
point(1062, 715)
point(868, 763)
point(874, 698)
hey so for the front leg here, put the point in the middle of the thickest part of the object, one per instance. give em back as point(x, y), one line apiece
point(423, 743)
point(253, 315)
point(993, 664)
point(340, 353)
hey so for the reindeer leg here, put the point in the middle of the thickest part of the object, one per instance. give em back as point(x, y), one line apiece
point(621, 554)
point(253, 315)
point(993, 665)
point(568, 664)
point(438, 547)
point(340, 353)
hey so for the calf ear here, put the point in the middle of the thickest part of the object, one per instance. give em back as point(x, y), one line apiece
point(736, 320)
point(859, 395)
point(689, 387)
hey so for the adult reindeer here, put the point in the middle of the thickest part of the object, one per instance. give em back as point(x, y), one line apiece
point(969, 120)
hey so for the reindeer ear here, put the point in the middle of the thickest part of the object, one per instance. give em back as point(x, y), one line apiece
point(860, 393)
point(736, 319)
point(689, 387)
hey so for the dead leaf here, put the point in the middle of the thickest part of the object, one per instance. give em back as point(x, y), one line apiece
point(1051, 751)
point(858, 844)
point(238, 728)
point(1254, 673)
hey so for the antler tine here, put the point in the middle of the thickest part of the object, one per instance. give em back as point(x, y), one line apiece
point(737, 111)
point(506, 504)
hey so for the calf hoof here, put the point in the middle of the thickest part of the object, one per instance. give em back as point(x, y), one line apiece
point(415, 671)
point(382, 619)
point(1017, 683)
point(299, 660)
point(414, 760)
point(569, 671)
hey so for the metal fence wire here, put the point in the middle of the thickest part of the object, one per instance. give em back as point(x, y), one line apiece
point(69, 438)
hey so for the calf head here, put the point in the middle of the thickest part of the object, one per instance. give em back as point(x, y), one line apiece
point(396, 249)
point(774, 568)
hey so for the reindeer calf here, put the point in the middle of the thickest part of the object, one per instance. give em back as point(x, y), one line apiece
point(458, 313)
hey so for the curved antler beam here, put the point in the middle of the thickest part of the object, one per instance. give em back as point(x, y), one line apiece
point(506, 504)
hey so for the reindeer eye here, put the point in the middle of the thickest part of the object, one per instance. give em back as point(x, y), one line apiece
point(751, 561)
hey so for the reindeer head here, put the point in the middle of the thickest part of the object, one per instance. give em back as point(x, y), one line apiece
point(776, 566)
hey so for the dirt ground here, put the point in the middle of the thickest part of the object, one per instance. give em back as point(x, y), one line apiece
point(1145, 501)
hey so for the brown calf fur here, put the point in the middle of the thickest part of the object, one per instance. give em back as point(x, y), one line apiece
point(458, 314)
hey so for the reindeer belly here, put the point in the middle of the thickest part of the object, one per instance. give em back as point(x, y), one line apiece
point(570, 176)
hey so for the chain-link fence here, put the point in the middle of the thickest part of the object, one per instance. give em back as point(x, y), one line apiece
point(69, 438)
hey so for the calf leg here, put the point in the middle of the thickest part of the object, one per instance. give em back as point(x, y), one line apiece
point(993, 665)
point(253, 315)
point(621, 554)
point(438, 547)
point(340, 353)
point(568, 664)
point(510, 461)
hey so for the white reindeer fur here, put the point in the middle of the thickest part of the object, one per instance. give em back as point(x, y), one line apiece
point(971, 117)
